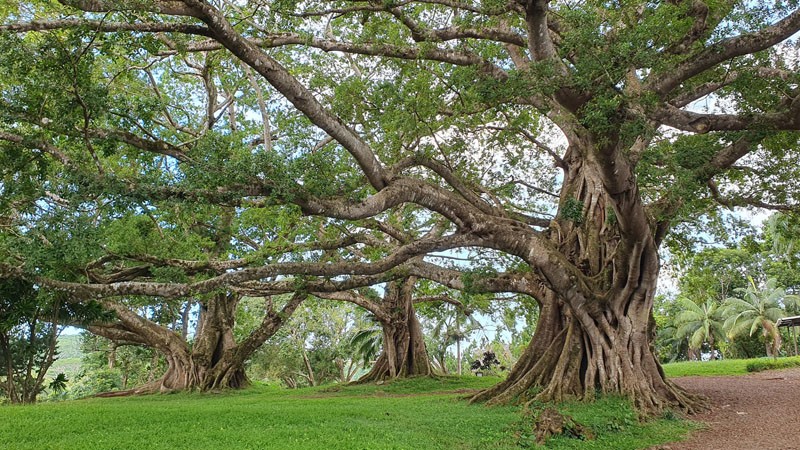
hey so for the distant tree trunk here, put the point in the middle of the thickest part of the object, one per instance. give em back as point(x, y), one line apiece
point(441, 361)
point(290, 382)
point(185, 319)
point(309, 370)
point(772, 345)
point(711, 346)
point(25, 370)
point(458, 356)
point(404, 353)
point(5, 350)
point(112, 356)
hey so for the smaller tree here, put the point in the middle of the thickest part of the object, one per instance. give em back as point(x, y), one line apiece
point(315, 347)
point(487, 362)
point(27, 341)
point(669, 347)
point(107, 366)
point(758, 309)
point(700, 323)
point(449, 325)
point(30, 322)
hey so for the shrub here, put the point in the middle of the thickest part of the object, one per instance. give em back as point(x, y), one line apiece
point(760, 365)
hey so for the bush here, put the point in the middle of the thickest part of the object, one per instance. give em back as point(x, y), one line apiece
point(760, 365)
point(92, 382)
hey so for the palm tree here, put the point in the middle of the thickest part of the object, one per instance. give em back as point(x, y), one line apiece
point(758, 309)
point(784, 229)
point(366, 344)
point(700, 323)
point(453, 326)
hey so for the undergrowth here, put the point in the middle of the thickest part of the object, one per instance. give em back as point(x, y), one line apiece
point(760, 365)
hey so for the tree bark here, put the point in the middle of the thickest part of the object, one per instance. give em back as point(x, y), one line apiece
point(595, 328)
point(567, 359)
point(404, 353)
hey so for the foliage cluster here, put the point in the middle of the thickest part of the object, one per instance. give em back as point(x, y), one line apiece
point(761, 365)
point(730, 299)
point(31, 320)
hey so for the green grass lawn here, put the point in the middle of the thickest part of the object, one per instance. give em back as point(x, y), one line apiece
point(728, 366)
point(707, 368)
point(416, 414)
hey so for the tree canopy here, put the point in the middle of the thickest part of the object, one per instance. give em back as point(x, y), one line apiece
point(165, 150)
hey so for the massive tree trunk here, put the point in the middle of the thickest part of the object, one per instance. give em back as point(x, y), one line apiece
point(215, 360)
point(575, 355)
point(595, 329)
point(404, 353)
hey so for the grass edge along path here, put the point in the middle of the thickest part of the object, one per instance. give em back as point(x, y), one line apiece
point(727, 367)
point(424, 413)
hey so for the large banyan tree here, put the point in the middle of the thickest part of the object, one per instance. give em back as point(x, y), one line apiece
point(573, 136)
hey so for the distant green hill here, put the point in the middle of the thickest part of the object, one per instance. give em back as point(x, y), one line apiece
point(69, 346)
point(69, 357)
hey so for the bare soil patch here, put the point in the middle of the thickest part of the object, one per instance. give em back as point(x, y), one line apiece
point(756, 411)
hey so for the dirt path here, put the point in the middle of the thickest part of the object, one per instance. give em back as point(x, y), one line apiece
point(758, 411)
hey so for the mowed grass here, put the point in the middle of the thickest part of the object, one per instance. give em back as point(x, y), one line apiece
point(427, 413)
point(706, 368)
point(616, 426)
point(728, 366)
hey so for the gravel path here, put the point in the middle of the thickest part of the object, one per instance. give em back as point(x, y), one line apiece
point(757, 411)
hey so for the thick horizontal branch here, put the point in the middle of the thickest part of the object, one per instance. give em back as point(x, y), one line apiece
point(459, 58)
point(38, 144)
point(450, 178)
point(401, 190)
point(230, 279)
point(106, 27)
point(318, 285)
point(742, 201)
point(169, 7)
point(521, 283)
point(492, 10)
point(704, 123)
point(725, 50)
point(118, 333)
point(192, 267)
